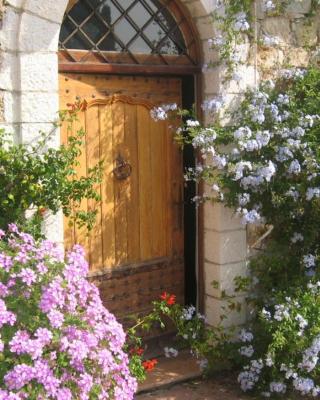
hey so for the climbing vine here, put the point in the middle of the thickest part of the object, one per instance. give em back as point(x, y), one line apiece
point(234, 20)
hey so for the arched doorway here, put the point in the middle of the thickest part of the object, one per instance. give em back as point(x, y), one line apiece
point(125, 57)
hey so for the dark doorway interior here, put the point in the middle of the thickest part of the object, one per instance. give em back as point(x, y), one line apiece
point(190, 216)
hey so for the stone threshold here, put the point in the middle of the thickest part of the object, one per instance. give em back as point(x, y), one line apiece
point(170, 371)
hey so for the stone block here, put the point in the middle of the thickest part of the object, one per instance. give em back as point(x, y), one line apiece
point(205, 27)
point(51, 10)
point(30, 133)
point(53, 227)
point(39, 72)
point(215, 308)
point(9, 72)
point(270, 58)
point(10, 27)
point(297, 57)
point(279, 27)
point(225, 247)
point(37, 34)
point(220, 279)
point(246, 77)
point(297, 7)
point(15, 3)
point(39, 107)
point(196, 9)
point(306, 32)
point(11, 103)
point(220, 218)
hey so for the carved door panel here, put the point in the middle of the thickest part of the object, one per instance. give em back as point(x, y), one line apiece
point(135, 249)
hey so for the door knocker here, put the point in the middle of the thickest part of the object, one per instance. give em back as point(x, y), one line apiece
point(123, 169)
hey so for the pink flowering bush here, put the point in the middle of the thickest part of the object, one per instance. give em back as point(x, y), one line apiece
point(58, 341)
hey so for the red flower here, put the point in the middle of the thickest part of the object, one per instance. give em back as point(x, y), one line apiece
point(137, 351)
point(170, 299)
point(149, 365)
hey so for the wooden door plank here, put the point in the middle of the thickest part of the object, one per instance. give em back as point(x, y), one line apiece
point(133, 211)
point(158, 183)
point(93, 158)
point(68, 225)
point(107, 186)
point(121, 186)
point(145, 185)
point(81, 233)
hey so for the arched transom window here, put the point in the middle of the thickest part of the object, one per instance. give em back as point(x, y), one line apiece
point(147, 32)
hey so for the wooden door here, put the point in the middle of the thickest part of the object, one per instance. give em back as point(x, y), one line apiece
point(135, 250)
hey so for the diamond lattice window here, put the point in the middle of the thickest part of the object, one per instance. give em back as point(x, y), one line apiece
point(127, 31)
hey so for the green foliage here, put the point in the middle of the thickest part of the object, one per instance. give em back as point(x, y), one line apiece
point(45, 178)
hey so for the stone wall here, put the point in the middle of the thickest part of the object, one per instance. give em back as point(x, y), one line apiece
point(29, 102)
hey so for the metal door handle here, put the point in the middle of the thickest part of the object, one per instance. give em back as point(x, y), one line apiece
point(123, 169)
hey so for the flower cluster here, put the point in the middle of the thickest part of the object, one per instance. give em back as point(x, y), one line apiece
point(291, 352)
point(57, 338)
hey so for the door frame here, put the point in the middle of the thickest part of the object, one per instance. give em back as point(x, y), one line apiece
point(191, 94)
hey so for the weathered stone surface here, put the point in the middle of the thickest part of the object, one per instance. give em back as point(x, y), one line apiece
point(220, 279)
point(225, 247)
point(306, 31)
point(270, 58)
point(39, 106)
point(279, 27)
point(297, 7)
point(214, 308)
point(37, 34)
point(297, 57)
point(220, 218)
point(9, 31)
point(51, 10)
point(39, 72)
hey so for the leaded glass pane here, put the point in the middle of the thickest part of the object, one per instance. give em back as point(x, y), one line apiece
point(124, 26)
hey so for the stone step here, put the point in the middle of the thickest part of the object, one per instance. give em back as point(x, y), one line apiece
point(170, 371)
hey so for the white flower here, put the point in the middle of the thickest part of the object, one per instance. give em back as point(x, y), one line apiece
point(243, 133)
point(266, 314)
point(243, 199)
point(217, 41)
point(303, 385)
point(303, 323)
point(312, 192)
point(246, 351)
point(263, 138)
point(268, 6)
point(278, 387)
point(294, 167)
point(170, 352)
point(213, 105)
point(293, 73)
point(192, 123)
point(268, 171)
point(283, 154)
point(158, 114)
point(240, 167)
point(297, 237)
point(250, 217)
point(298, 132)
point(188, 312)
point(292, 192)
point(161, 112)
point(282, 312)
point(219, 161)
point(241, 23)
point(309, 260)
point(269, 361)
point(270, 41)
point(245, 336)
